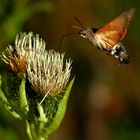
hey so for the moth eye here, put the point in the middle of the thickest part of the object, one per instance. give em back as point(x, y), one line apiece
point(84, 35)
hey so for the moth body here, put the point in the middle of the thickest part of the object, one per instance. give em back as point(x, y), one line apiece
point(109, 36)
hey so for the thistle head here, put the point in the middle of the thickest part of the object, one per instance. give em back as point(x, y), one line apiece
point(48, 73)
point(17, 56)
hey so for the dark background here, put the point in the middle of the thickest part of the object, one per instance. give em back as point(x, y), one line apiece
point(105, 100)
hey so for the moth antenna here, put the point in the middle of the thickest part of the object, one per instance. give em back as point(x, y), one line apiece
point(77, 27)
point(64, 37)
point(79, 23)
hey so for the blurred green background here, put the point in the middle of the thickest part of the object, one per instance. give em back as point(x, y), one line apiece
point(105, 99)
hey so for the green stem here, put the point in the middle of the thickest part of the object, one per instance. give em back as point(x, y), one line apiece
point(42, 121)
point(28, 130)
point(32, 134)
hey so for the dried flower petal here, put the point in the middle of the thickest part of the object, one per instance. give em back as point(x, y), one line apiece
point(25, 46)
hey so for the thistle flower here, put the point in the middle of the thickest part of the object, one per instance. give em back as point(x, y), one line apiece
point(45, 69)
point(48, 74)
point(25, 46)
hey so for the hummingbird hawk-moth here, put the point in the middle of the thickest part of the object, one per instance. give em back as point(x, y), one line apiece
point(109, 36)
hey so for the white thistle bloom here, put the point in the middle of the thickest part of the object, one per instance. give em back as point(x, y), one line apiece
point(46, 70)
point(48, 74)
point(26, 45)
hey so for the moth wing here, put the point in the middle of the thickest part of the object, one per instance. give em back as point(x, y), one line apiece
point(114, 31)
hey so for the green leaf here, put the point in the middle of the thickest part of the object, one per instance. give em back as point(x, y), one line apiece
point(15, 21)
point(5, 102)
point(2, 96)
point(61, 110)
point(22, 96)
